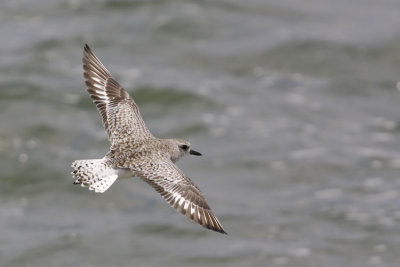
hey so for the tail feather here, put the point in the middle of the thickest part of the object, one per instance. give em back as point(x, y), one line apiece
point(94, 173)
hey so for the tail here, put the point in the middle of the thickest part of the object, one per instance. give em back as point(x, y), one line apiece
point(94, 173)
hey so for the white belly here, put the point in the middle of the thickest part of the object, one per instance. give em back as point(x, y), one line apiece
point(124, 173)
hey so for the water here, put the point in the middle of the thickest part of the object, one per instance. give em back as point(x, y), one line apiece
point(294, 106)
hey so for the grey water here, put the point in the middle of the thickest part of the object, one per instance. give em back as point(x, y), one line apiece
point(294, 104)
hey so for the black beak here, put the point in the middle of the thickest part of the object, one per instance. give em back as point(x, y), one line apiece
point(192, 152)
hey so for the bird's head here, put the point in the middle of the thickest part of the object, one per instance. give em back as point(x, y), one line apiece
point(181, 148)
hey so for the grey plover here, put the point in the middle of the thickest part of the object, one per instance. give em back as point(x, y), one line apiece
point(135, 152)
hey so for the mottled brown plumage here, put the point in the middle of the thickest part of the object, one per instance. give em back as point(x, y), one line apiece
point(135, 151)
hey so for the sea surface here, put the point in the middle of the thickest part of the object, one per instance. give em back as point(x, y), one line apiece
point(294, 104)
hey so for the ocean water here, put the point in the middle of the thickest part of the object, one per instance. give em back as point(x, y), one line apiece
point(294, 105)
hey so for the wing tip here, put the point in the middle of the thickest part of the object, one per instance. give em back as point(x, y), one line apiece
point(86, 54)
point(220, 230)
point(217, 227)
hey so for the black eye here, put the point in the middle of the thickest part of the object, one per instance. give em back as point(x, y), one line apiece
point(184, 147)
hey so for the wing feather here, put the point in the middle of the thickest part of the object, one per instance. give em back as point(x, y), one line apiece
point(119, 112)
point(179, 191)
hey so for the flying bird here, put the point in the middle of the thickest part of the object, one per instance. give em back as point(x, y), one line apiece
point(135, 152)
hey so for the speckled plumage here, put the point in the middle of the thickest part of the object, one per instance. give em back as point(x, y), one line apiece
point(134, 150)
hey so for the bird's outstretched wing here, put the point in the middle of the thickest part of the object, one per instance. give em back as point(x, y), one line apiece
point(178, 190)
point(121, 117)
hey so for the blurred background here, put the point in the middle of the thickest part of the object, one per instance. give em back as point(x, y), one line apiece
point(294, 104)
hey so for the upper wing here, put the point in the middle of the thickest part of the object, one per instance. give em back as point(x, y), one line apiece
point(120, 114)
point(179, 191)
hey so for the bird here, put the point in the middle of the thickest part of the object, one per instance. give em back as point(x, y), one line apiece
point(135, 152)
